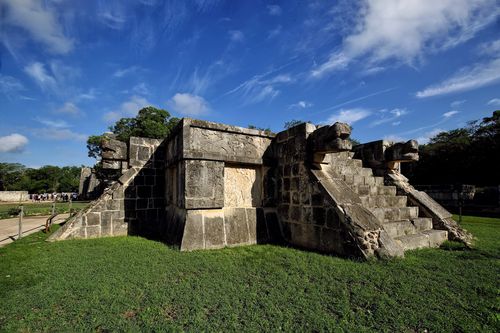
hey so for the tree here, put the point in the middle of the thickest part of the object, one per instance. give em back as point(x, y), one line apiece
point(468, 155)
point(150, 122)
point(293, 123)
point(265, 130)
point(94, 143)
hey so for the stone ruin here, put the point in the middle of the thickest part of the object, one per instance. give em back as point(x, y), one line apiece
point(210, 185)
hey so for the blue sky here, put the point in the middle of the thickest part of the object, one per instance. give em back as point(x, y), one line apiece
point(396, 69)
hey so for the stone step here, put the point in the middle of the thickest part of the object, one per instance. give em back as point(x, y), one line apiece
point(400, 228)
point(343, 155)
point(383, 201)
point(350, 170)
point(395, 214)
point(428, 238)
point(422, 223)
point(359, 180)
point(374, 190)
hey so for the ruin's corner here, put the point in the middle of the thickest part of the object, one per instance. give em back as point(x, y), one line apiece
point(211, 185)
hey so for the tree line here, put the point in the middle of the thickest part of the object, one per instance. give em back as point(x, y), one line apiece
point(47, 179)
point(468, 155)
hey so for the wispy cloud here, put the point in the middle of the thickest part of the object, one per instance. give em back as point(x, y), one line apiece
point(59, 134)
point(128, 108)
point(301, 105)
point(388, 116)
point(275, 32)
point(457, 104)
point(13, 143)
point(425, 138)
point(354, 100)
point(188, 104)
point(494, 102)
point(126, 71)
point(349, 116)
point(337, 61)
point(236, 35)
point(41, 76)
point(450, 114)
point(10, 86)
point(40, 21)
point(481, 74)
point(69, 108)
point(274, 10)
point(53, 123)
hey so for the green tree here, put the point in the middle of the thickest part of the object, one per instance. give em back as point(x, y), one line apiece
point(10, 174)
point(150, 122)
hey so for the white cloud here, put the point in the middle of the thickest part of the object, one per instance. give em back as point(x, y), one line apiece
point(424, 139)
point(40, 21)
point(450, 114)
point(274, 10)
point(349, 116)
point(127, 109)
point(494, 102)
point(39, 74)
point(301, 105)
point(387, 116)
point(481, 74)
point(59, 134)
point(236, 35)
point(13, 143)
point(456, 104)
point(490, 48)
point(337, 61)
point(275, 32)
point(53, 123)
point(259, 88)
point(10, 86)
point(126, 71)
point(405, 30)
point(69, 109)
point(188, 104)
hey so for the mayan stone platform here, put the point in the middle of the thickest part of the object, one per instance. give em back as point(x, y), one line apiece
point(210, 185)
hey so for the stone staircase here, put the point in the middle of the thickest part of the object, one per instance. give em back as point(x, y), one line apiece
point(400, 221)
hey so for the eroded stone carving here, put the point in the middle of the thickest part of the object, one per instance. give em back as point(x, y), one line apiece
point(329, 139)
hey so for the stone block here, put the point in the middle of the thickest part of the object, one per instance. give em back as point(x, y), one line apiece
point(93, 231)
point(214, 229)
point(252, 224)
point(204, 184)
point(93, 219)
point(236, 226)
point(112, 165)
point(242, 186)
point(114, 150)
point(192, 238)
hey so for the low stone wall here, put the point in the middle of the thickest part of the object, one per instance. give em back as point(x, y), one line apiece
point(14, 196)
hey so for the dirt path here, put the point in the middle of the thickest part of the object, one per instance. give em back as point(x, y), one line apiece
point(31, 224)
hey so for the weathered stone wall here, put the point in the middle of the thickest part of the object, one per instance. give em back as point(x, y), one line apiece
point(214, 186)
point(14, 196)
point(90, 187)
point(134, 204)
point(308, 218)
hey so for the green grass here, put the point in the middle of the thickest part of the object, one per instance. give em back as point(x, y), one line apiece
point(40, 208)
point(132, 284)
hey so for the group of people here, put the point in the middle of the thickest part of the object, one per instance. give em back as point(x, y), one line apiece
point(54, 197)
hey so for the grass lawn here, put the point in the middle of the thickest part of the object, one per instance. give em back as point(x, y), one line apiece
point(40, 208)
point(132, 284)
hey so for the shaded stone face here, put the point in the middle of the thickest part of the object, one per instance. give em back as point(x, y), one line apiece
point(113, 149)
point(402, 152)
point(331, 139)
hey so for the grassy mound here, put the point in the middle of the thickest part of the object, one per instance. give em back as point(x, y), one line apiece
point(131, 284)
